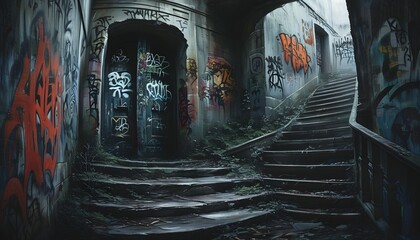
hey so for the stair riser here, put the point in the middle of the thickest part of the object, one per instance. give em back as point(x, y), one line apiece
point(312, 202)
point(127, 190)
point(296, 158)
point(320, 91)
point(311, 107)
point(305, 186)
point(339, 132)
point(330, 94)
point(330, 99)
point(173, 211)
point(344, 144)
point(334, 219)
point(334, 88)
point(158, 173)
point(323, 110)
point(133, 163)
point(337, 84)
point(325, 117)
point(206, 233)
point(312, 173)
point(313, 125)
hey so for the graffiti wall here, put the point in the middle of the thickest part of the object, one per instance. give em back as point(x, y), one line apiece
point(290, 51)
point(396, 83)
point(344, 53)
point(42, 47)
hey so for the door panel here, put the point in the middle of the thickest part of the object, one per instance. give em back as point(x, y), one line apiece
point(156, 118)
point(119, 123)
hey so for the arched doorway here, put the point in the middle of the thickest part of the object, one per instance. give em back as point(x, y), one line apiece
point(139, 110)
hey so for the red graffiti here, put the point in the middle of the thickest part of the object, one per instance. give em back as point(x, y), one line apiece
point(295, 52)
point(35, 115)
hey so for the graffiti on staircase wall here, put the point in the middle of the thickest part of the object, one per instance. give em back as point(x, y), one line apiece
point(184, 110)
point(218, 83)
point(294, 53)
point(31, 136)
point(39, 84)
point(146, 14)
point(120, 84)
point(343, 49)
point(99, 31)
point(396, 85)
point(275, 73)
point(94, 86)
point(99, 35)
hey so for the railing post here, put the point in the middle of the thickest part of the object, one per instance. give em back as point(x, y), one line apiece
point(377, 194)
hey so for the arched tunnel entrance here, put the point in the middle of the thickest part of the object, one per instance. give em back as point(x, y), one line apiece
point(140, 91)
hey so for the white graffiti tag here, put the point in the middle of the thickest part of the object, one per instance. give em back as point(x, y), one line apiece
point(158, 91)
point(156, 64)
point(120, 84)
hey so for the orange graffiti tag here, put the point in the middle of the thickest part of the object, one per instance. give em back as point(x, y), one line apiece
point(295, 52)
point(36, 115)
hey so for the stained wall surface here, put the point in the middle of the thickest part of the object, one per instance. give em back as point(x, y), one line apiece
point(301, 44)
point(386, 35)
point(43, 46)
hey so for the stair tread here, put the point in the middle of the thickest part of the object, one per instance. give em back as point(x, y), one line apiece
point(323, 115)
point(171, 202)
point(160, 168)
point(157, 163)
point(316, 140)
point(314, 194)
point(308, 165)
point(169, 181)
point(325, 181)
point(180, 224)
point(324, 212)
point(309, 151)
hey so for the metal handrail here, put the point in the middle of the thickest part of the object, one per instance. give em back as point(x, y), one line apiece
point(398, 152)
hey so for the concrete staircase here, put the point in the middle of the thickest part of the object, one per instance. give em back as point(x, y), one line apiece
point(310, 167)
point(156, 199)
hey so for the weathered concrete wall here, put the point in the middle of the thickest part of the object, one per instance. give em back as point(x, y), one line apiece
point(209, 79)
point(387, 47)
point(387, 40)
point(42, 47)
point(299, 46)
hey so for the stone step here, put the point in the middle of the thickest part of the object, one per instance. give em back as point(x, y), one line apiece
point(323, 199)
point(171, 205)
point(321, 171)
point(324, 156)
point(348, 100)
point(328, 94)
point(339, 83)
point(343, 142)
point(321, 91)
point(331, 116)
point(320, 124)
point(157, 172)
point(316, 133)
point(313, 185)
point(330, 99)
point(191, 226)
point(334, 216)
point(159, 163)
point(182, 186)
point(323, 110)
